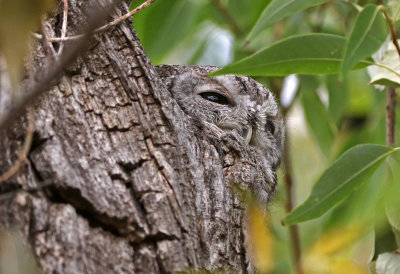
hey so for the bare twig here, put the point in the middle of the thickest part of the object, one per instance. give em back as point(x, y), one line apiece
point(228, 17)
point(102, 28)
point(391, 92)
point(48, 78)
point(24, 151)
point(390, 116)
point(47, 46)
point(64, 27)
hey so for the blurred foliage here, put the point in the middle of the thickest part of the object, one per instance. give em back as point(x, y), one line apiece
point(18, 18)
point(327, 120)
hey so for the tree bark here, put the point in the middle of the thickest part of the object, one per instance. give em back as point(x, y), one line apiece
point(118, 179)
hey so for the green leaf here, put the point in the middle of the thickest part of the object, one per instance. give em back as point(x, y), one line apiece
point(388, 74)
point(343, 177)
point(317, 53)
point(316, 114)
point(246, 14)
point(279, 9)
point(367, 36)
point(162, 25)
point(392, 203)
point(338, 96)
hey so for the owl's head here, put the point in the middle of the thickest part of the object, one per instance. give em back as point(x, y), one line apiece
point(231, 102)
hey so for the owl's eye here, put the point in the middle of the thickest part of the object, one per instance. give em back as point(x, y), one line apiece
point(215, 97)
point(270, 127)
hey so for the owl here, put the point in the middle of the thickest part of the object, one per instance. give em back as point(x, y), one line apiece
point(236, 109)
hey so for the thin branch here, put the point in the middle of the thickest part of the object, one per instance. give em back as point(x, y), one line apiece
point(391, 92)
point(391, 27)
point(228, 17)
point(102, 28)
point(49, 78)
point(390, 116)
point(47, 46)
point(64, 27)
point(24, 151)
point(293, 230)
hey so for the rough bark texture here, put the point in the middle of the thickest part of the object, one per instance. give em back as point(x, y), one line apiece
point(131, 185)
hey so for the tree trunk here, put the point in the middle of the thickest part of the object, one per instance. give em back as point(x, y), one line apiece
point(118, 180)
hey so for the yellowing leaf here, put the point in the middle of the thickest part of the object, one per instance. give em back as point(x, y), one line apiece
point(316, 264)
point(343, 265)
point(260, 239)
point(18, 18)
point(324, 256)
point(336, 240)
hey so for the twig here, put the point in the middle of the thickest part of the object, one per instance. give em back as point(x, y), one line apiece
point(47, 46)
point(64, 27)
point(50, 77)
point(293, 230)
point(102, 28)
point(24, 151)
point(228, 17)
point(391, 27)
point(391, 92)
point(390, 116)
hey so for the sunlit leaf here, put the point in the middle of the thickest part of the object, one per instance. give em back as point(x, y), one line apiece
point(368, 34)
point(279, 9)
point(261, 240)
point(18, 18)
point(385, 76)
point(316, 53)
point(388, 263)
point(343, 177)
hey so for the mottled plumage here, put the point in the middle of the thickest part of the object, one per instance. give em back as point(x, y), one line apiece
point(230, 104)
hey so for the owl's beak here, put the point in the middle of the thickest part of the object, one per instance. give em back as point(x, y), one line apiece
point(246, 133)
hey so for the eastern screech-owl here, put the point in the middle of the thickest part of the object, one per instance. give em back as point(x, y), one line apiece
point(234, 108)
